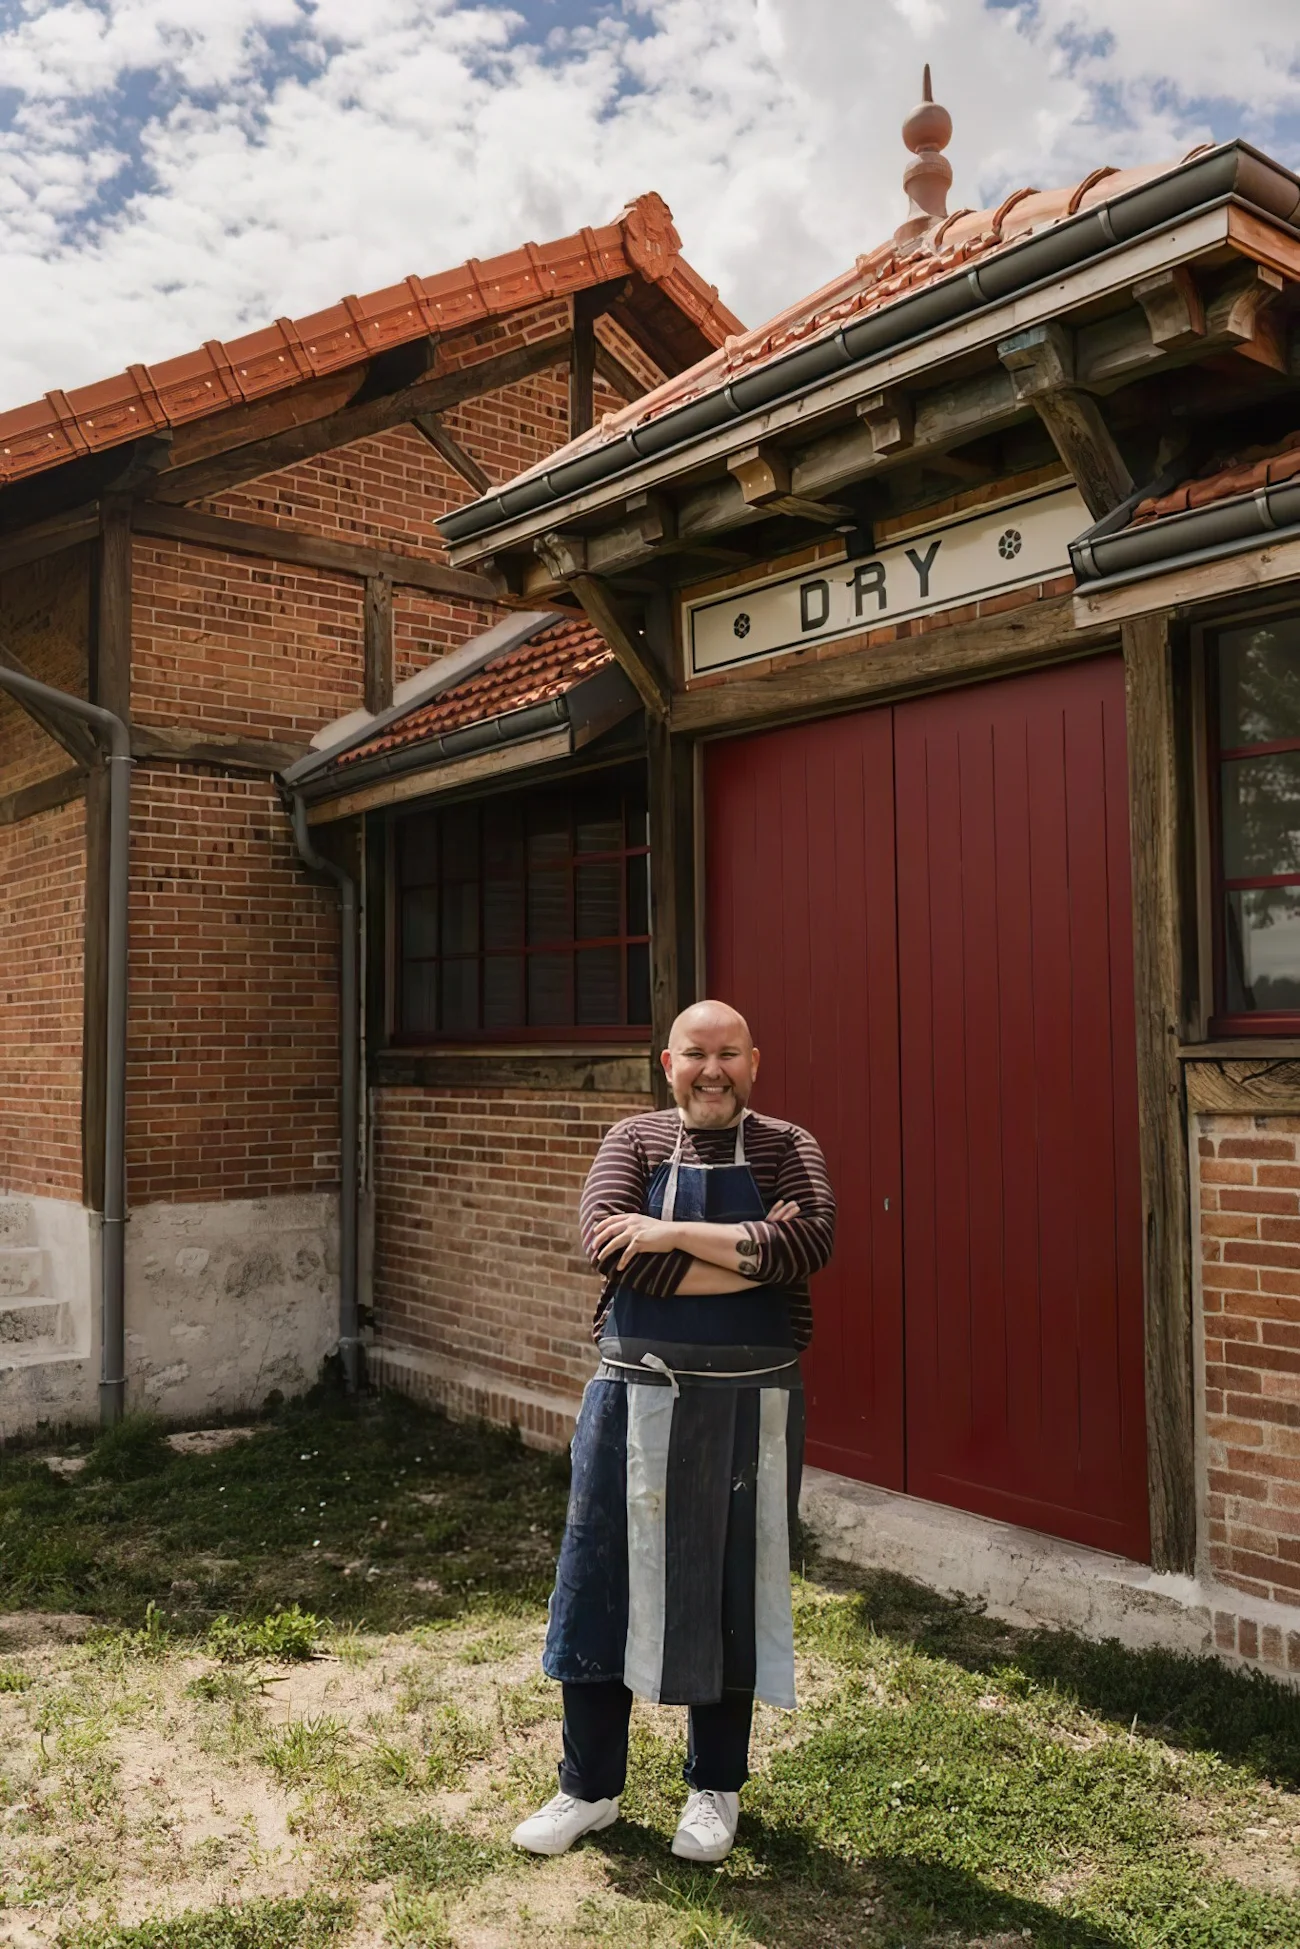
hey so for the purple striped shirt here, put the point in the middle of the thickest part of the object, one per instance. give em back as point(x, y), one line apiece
point(786, 1163)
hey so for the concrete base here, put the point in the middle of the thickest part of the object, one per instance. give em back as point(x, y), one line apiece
point(1031, 1579)
point(49, 1348)
point(229, 1300)
point(224, 1303)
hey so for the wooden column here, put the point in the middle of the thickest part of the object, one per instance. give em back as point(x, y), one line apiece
point(110, 685)
point(1160, 1004)
point(670, 762)
point(582, 365)
point(379, 642)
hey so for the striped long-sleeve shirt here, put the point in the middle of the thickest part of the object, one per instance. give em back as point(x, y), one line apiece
point(786, 1163)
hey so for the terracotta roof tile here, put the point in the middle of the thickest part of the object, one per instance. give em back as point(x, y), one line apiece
point(1242, 473)
point(545, 667)
point(875, 281)
point(146, 399)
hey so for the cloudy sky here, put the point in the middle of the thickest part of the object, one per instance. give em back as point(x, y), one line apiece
point(177, 170)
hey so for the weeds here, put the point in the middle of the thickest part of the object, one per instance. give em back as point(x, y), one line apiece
point(424, 1854)
point(310, 1923)
point(306, 1750)
point(12, 1681)
point(285, 1637)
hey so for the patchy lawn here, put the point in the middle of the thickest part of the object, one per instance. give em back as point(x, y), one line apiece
point(283, 1693)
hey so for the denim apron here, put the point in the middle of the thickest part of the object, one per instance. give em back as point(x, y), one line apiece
point(674, 1571)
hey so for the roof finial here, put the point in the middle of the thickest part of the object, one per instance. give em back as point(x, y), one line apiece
point(927, 180)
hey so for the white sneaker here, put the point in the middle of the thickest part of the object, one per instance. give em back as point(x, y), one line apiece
point(555, 1827)
point(707, 1828)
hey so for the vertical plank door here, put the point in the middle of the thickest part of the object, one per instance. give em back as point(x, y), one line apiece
point(800, 936)
point(1019, 1103)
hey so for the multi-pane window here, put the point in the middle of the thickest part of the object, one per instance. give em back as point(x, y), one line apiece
point(525, 916)
point(1255, 738)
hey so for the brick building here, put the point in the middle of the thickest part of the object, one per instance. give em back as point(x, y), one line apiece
point(919, 670)
point(231, 551)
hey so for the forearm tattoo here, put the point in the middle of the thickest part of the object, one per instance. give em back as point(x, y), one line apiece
point(747, 1250)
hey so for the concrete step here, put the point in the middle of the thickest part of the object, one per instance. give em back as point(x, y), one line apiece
point(17, 1222)
point(22, 1272)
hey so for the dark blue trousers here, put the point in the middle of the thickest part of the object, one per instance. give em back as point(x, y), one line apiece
point(594, 1766)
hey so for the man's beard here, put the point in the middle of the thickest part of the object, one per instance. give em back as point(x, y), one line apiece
point(711, 1109)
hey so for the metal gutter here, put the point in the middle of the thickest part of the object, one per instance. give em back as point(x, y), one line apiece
point(110, 728)
point(458, 666)
point(1234, 171)
point(1108, 560)
point(507, 728)
point(349, 1075)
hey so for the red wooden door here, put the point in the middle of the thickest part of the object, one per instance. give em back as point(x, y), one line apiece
point(1022, 1206)
point(801, 938)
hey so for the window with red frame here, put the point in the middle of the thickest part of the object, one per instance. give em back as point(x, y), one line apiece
point(526, 917)
point(1254, 700)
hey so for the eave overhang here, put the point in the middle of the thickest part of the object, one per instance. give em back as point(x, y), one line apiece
point(1231, 196)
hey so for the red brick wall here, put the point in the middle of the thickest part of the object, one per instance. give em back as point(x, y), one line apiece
point(42, 881)
point(1250, 1279)
point(45, 618)
point(233, 1049)
point(476, 1251)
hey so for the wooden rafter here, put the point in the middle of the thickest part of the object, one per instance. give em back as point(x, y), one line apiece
point(199, 479)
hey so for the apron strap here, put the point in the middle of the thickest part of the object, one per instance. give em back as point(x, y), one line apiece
point(668, 1210)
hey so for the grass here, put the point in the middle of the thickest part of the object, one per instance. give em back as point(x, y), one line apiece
point(307, 1712)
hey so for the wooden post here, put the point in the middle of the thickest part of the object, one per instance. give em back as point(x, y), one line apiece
point(582, 364)
point(1159, 1008)
point(109, 662)
point(379, 642)
point(671, 768)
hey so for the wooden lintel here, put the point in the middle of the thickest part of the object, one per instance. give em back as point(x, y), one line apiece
point(1162, 1134)
point(307, 551)
point(1040, 632)
point(1182, 586)
point(201, 478)
point(225, 750)
point(449, 448)
point(49, 537)
point(451, 775)
point(1255, 1085)
point(651, 683)
point(378, 643)
point(44, 796)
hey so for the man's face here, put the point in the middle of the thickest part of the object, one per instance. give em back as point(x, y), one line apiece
point(710, 1063)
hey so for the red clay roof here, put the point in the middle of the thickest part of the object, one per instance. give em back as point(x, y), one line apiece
point(641, 240)
point(546, 666)
point(1241, 473)
point(876, 279)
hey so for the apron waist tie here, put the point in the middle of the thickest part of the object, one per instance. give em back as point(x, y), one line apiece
point(659, 1366)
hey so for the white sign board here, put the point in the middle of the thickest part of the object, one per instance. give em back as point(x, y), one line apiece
point(957, 561)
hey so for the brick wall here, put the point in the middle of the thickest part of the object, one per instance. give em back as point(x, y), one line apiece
point(477, 1264)
point(45, 619)
point(233, 1050)
point(1250, 1279)
point(42, 881)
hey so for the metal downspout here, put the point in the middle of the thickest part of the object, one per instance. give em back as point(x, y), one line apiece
point(349, 1324)
point(110, 728)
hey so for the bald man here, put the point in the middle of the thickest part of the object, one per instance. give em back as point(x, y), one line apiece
point(707, 1221)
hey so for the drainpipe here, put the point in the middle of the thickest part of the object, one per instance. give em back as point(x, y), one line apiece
point(349, 1333)
point(113, 732)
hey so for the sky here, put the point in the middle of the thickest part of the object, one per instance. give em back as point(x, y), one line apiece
point(179, 170)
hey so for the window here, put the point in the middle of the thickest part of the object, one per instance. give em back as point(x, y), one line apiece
point(526, 917)
point(1254, 715)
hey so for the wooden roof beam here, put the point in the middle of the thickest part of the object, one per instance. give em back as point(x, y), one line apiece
point(1040, 362)
point(565, 558)
point(435, 394)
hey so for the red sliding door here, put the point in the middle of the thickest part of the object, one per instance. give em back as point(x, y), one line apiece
point(925, 913)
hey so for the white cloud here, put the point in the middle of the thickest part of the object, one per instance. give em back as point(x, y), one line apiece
point(177, 170)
